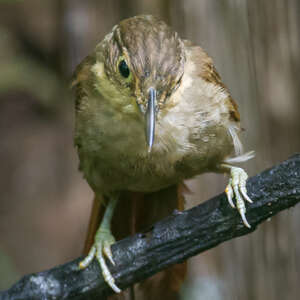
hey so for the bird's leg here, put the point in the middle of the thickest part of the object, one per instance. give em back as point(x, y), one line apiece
point(236, 188)
point(101, 247)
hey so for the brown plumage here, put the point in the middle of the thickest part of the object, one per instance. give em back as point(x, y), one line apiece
point(143, 81)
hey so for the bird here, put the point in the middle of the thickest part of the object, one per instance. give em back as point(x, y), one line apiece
point(150, 112)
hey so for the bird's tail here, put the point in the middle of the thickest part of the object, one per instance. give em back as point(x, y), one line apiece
point(136, 212)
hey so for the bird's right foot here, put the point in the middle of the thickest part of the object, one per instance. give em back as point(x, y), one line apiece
point(101, 248)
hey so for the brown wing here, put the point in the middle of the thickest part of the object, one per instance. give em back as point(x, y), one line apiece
point(208, 72)
point(80, 78)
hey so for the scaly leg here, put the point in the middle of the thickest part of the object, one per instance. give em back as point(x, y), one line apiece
point(237, 188)
point(101, 248)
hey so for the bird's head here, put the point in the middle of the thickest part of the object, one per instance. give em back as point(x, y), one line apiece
point(137, 68)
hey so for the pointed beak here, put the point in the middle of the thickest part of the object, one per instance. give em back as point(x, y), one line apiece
point(150, 118)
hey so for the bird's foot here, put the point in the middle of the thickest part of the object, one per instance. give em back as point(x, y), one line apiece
point(101, 248)
point(236, 188)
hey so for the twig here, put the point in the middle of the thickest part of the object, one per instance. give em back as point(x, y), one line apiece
point(169, 241)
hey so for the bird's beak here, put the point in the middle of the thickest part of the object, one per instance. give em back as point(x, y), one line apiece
point(150, 118)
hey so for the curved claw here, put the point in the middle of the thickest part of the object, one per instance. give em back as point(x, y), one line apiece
point(245, 220)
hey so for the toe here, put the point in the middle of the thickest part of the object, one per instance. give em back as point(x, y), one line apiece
point(229, 193)
point(240, 205)
point(244, 193)
point(88, 259)
point(107, 252)
point(106, 273)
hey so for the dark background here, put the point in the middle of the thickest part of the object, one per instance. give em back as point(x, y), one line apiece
point(45, 203)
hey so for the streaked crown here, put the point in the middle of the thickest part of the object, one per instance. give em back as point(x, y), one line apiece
point(153, 53)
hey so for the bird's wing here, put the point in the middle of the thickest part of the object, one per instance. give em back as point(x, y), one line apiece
point(207, 71)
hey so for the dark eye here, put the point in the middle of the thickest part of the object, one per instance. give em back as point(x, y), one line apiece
point(123, 68)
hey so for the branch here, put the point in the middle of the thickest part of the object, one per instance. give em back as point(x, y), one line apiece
point(170, 241)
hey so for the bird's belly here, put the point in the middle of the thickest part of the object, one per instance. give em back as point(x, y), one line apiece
point(120, 160)
point(121, 169)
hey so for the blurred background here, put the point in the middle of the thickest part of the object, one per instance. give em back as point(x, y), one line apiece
point(45, 203)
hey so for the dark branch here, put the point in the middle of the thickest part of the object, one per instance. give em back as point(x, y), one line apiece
point(169, 241)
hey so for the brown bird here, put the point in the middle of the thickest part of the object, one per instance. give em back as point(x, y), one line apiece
point(151, 111)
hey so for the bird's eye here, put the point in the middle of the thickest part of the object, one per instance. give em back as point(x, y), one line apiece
point(123, 69)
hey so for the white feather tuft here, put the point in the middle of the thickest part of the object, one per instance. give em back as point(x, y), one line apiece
point(241, 158)
point(238, 147)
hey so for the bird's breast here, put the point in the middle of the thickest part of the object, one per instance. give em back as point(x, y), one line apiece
point(191, 137)
point(114, 154)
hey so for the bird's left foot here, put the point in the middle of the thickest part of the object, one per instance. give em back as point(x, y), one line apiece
point(236, 188)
